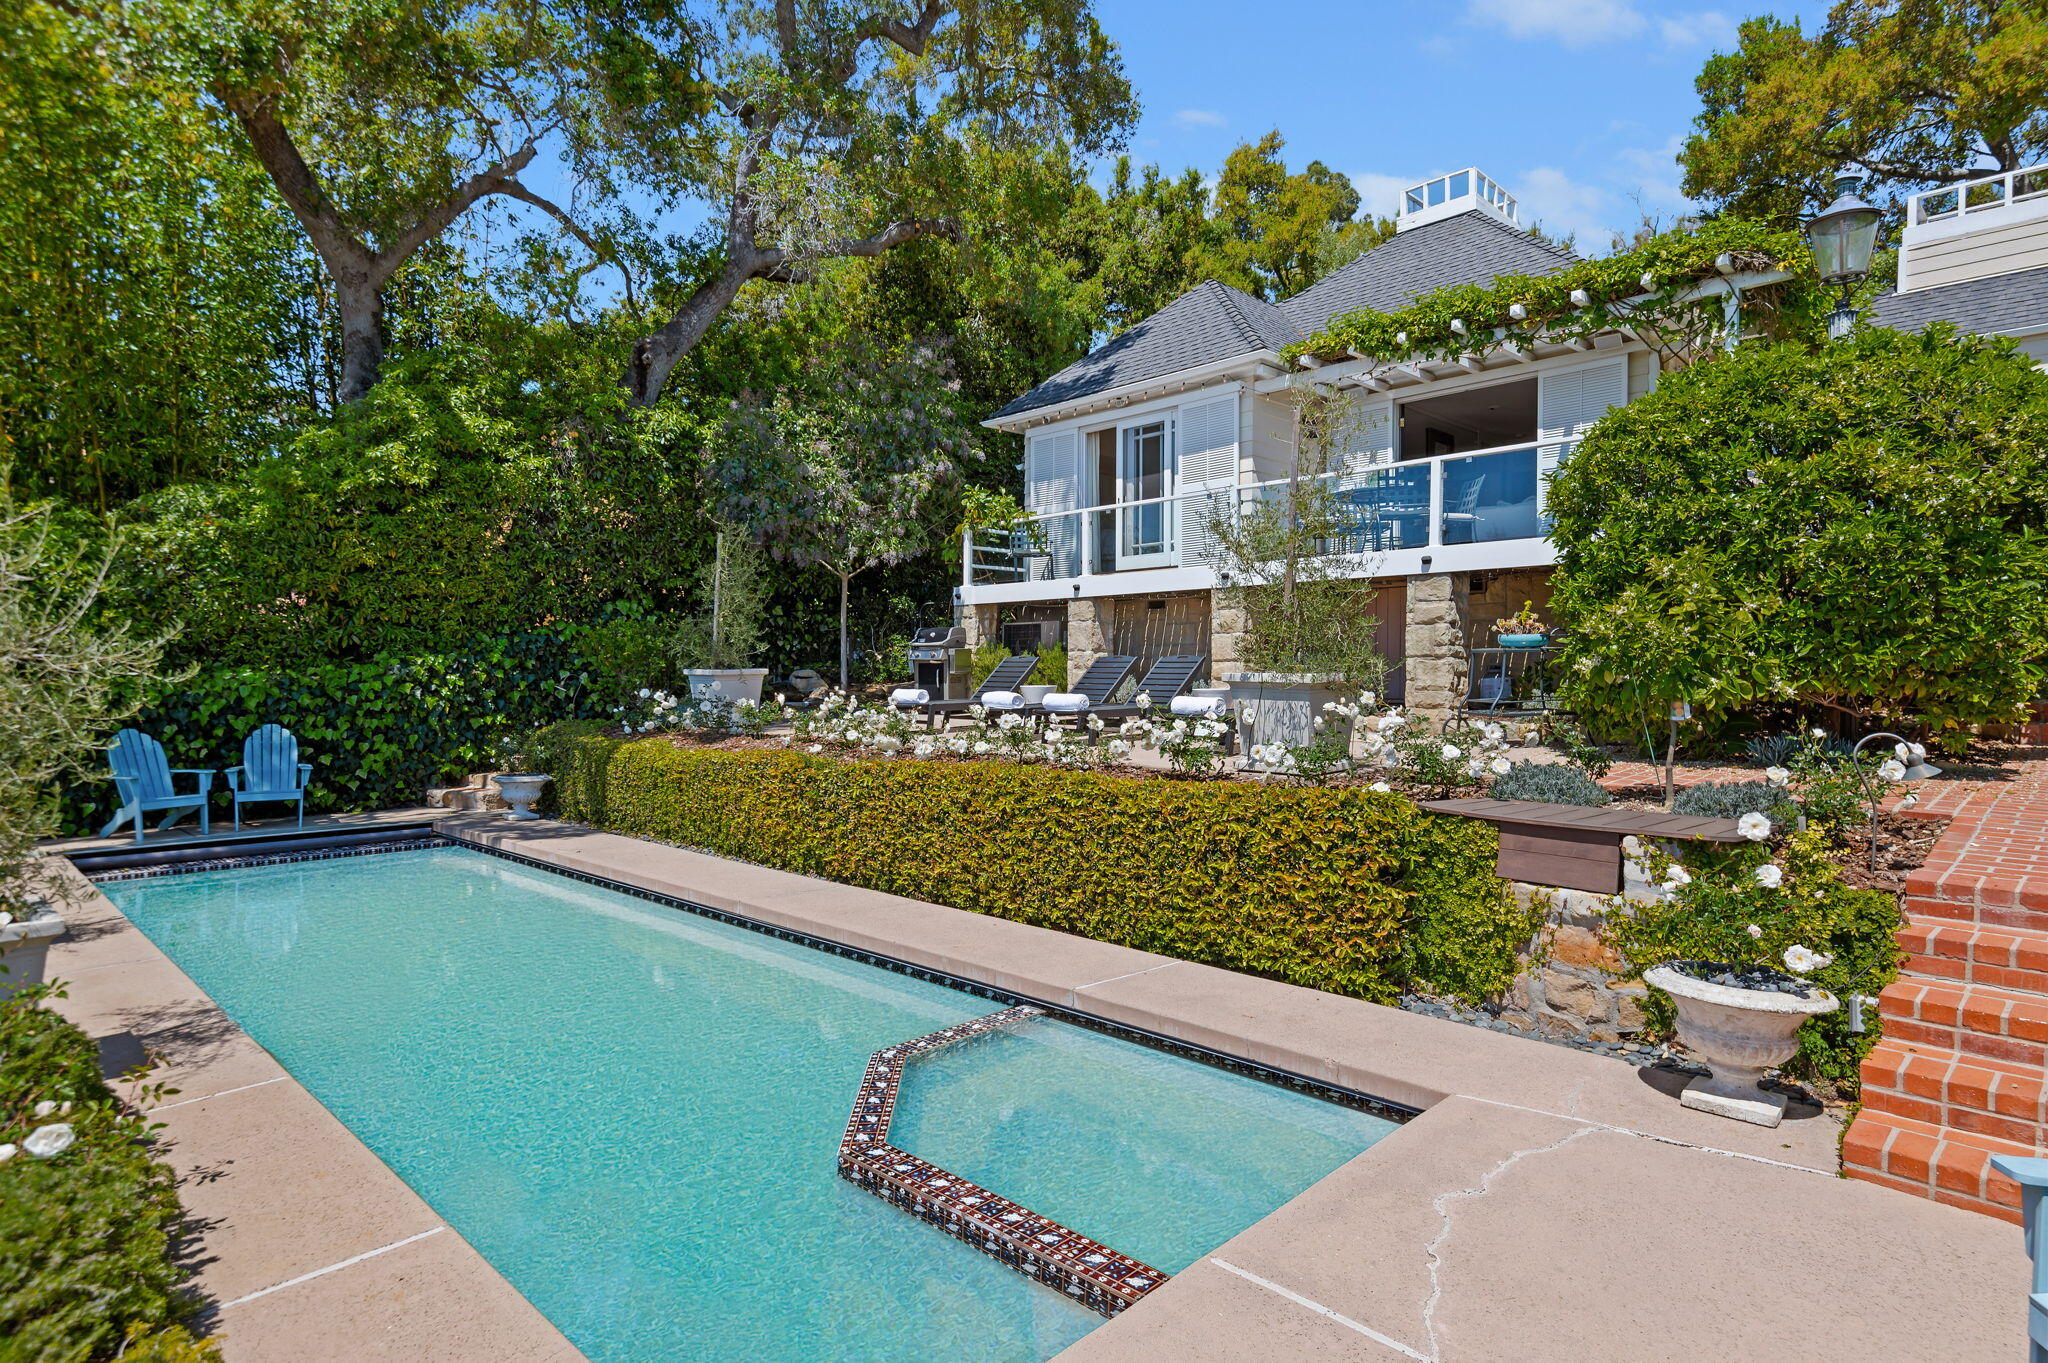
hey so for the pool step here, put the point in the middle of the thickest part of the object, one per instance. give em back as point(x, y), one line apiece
point(1037, 1246)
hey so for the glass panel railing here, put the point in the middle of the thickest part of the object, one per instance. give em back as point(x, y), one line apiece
point(1490, 497)
point(1388, 506)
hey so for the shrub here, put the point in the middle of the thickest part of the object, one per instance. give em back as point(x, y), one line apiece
point(1553, 783)
point(1862, 528)
point(1782, 750)
point(86, 1235)
point(1318, 887)
point(1733, 799)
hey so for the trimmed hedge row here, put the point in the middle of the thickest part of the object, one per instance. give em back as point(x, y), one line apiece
point(88, 1266)
point(1328, 888)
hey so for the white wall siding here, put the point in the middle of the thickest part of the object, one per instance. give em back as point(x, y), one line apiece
point(1569, 401)
point(1207, 473)
point(1642, 374)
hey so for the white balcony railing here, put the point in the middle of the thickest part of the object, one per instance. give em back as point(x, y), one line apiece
point(1471, 498)
point(1968, 205)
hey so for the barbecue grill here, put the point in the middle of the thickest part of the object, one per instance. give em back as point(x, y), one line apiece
point(938, 661)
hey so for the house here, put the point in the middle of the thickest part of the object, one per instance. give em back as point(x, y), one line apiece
point(1975, 254)
point(1133, 451)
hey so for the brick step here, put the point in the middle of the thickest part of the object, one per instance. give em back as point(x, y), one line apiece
point(1970, 1019)
point(1955, 908)
point(1997, 1098)
point(2004, 958)
point(1932, 1161)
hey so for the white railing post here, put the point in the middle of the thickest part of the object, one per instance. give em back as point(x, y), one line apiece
point(1436, 502)
point(1086, 517)
point(967, 556)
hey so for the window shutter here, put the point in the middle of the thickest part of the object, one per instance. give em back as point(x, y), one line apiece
point(1566, 404)
point(1052, 483)
point(1368, 437)
point(1206, 476)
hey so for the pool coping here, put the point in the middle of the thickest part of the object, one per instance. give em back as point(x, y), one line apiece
point(304, 1243)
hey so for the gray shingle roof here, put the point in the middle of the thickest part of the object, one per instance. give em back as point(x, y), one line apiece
point(1213, 322)
point(1209, 322)
point(1471, 248)
point(2000, 305)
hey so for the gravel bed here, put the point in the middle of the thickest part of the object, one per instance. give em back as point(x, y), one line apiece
point(1635, 1052)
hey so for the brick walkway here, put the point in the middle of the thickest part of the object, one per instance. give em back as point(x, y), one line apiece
point(1962, 1072)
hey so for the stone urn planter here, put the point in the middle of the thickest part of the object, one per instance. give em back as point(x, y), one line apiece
point(1739, 1033)
point(1278, 708)
point(730, 684)
point(1035, 694)
point(25, 946)
point(521, 789)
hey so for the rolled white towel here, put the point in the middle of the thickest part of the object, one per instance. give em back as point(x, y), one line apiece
point(910, 695)
point(1197, 705)
point(1065, 702)
point(1002, 700)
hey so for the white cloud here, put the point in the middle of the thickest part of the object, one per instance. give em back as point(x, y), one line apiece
point(1707, 28)
point(1565, 206)
point(1199, 118)
point(1656, 173)
point(1575, 23)
point(1380, 194)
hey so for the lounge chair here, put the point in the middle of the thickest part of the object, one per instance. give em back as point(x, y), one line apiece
point(1099, 682)
point(1007, 675)
point(270, 770)
point(1165, 679)
point(142, 778)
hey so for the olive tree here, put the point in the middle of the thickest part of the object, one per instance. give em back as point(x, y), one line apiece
point(1856, 532)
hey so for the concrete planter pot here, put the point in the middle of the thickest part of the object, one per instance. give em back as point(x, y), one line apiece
point(25, 947)
point(726, 683)
point(1278, 708)
point(1035, 694)
point(520, 790)
point(1739, 1033)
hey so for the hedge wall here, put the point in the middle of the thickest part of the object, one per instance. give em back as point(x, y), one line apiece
point(1314, 886)
point(378, 733)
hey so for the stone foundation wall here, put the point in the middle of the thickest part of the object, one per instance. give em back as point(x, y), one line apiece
point(1089, 620)
point(1226, 631)
point(1568, 986)
point(1439, 621)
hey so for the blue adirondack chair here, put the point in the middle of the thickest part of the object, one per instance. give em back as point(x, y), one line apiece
point(2032, 1176)
point(142, 778)
point(270, 770)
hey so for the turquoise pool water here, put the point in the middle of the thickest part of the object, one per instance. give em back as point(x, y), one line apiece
point(633, 1112)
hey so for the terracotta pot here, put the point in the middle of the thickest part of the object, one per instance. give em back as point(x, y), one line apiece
point(1738, 1033)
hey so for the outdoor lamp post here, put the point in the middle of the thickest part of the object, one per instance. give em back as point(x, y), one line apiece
point(1843, 237)
point(1912, 767)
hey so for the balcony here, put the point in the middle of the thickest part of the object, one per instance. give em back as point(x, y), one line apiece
point(2008, 197)
point(1448, 510)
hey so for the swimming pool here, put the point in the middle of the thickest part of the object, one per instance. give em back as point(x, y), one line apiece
point(632, 1111)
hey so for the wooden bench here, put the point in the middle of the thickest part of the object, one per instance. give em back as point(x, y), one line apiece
point(1577, 847)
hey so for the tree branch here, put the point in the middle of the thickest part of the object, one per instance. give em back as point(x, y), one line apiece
point(492, 179)
point(603, 252)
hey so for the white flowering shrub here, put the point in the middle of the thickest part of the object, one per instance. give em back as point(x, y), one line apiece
point(651, 711)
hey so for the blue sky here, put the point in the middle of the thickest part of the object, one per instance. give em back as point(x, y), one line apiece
point(1575, 106)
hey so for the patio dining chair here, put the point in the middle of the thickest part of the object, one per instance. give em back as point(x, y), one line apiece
point(270, 771)
point(1007, 675)
point(142, 779)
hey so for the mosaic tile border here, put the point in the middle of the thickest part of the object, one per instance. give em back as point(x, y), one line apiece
point(1287, 1079)
point(1037, 1246)
point(186, 868)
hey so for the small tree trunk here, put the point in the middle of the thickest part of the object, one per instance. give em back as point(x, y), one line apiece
point(361, 304)
point(845, 656)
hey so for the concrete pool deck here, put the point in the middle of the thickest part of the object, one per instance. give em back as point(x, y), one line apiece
point(1547, 1203)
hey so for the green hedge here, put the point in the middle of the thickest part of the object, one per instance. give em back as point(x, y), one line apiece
point(377, 733)
point(1318, 887)
point(86, 1236)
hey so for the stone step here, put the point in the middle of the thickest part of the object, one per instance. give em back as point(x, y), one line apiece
point(1999, 1098)
point(454, 797)
point(1933, 1161)
point(1970, 1019)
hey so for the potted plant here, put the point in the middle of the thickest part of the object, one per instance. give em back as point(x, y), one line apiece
point(717, 650)
point(1523, 629)
point(519, 787)
point(26, 932)
point(1306, 638)
point(1740, 992)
